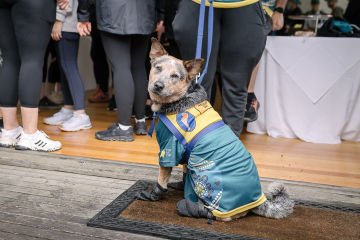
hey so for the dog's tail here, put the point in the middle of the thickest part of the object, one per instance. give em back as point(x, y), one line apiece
point(278, 204)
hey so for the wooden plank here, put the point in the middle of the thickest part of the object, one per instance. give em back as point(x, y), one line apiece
point(4, 235)
point(56, 186)
point(288, 159)
point(89, 167)
point(54, 229)
point(63, 176)
point(124, 171)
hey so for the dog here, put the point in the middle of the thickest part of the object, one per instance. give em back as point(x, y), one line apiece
point(221, 181)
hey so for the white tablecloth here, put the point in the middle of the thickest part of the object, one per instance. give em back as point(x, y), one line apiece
point(309, 88)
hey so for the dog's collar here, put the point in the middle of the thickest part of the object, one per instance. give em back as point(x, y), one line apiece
point(195, 95)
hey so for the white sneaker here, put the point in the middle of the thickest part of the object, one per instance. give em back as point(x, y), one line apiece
point(76, 123)
point(38, 141)
point(9, 138)
point(60, 117)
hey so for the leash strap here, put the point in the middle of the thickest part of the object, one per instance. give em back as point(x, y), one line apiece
point(189, 146)
point(200, 36)
point(152, 126)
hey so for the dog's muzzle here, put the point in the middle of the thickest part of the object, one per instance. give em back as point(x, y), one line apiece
point(158, 87)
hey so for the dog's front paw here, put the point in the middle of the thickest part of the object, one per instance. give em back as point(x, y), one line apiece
point(155, 194)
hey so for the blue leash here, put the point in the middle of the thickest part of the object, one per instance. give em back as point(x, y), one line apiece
point(200, 36)
point(199, 43)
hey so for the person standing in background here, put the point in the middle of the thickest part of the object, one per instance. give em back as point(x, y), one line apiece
point(335, 10)
point(315, 8)
point(239, 26)
point(125, 27)
point(352, 13)
point(98, 56)
point(72, 117)
point(25, 27)
point(275, 21)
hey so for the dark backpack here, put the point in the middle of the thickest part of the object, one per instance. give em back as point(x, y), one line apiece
point(338, 27)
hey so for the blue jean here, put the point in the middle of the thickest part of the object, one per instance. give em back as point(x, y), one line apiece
point(72, 84)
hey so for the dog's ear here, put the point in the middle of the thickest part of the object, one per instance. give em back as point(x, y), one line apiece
point(157, 50)
point(193, 67)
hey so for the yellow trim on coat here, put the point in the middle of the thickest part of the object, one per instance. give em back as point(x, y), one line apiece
point(204, 114)
point(229, 4)
point(241, 209)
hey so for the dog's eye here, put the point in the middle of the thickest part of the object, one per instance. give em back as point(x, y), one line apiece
point(158, 68)
point(174, 76)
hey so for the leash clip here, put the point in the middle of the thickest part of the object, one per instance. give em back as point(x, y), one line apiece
point(197, 77)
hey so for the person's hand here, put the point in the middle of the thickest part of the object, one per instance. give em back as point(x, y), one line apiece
point(56, 31)
point(84, 28)
point(62, 3)
point(277, 21)
point(160, 29)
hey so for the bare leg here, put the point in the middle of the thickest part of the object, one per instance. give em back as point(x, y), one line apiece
point(29, 119)
point(253, 78)
point(9, 117)
point(164, 176)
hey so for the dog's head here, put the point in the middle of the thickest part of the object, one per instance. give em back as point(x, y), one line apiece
point(169, 77)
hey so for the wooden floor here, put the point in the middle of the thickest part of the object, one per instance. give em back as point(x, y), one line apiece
point(288, 159)
point(51, 196)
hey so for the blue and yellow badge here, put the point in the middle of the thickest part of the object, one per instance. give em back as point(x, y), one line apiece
point(186, 121)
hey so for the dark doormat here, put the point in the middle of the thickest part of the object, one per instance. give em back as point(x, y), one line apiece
point(310, 220)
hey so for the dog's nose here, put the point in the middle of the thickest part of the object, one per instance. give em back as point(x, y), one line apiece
point(158, 86)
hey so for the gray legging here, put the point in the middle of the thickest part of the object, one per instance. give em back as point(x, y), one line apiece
point(238, 38)
point(127, 55)
point(25, 27)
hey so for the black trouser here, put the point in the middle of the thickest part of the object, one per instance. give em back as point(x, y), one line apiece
point(98, 56)
point(25, 27)
point(53, 72)
point(242, 37)
point(126, 54)
point(72, 84)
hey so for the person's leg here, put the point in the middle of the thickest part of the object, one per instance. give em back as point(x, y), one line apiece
point(252, 104)
point(1, 121)
point(101, 68)
point(117, 48)
point(32, 30)
point(243, 41)
point(47, 86)
point(45, 72)
point(9, 70)
point(68, 52)
point(185, 32)
point(32, 36)
point(139, 50)
point(66, 112)
point(54, 76)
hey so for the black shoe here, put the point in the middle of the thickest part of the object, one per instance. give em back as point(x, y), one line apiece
point(112, 104)
point(140, 128)
point(252, 106)
point(46, 103)
point(115, 133)
point(1, 124)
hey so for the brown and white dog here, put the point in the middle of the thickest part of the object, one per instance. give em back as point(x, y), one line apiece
point(172, 90)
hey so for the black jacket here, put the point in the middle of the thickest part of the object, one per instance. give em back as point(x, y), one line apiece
point(124, 17)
